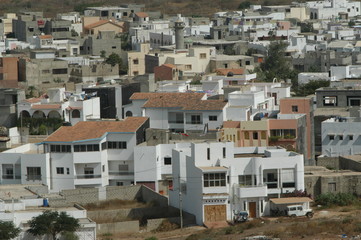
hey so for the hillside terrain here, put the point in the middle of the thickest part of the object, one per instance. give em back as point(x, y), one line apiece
point(185, 7)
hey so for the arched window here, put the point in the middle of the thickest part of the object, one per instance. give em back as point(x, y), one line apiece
point(128, 114)
point(75, 114)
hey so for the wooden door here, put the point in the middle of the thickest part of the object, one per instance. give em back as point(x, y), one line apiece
point(215, 213)
point(252, 206)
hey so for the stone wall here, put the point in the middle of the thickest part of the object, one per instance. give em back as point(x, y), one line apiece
point(329, 162)
point(117, 227)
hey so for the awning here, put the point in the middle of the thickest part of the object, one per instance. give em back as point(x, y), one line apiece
point(291, 200)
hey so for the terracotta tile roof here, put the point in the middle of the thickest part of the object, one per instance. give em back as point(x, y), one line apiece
point(225, 71)
point(46, 106)
point(92, 130)
point(142, 14)
point(73, 108)
point(231, 124)
point(101, 22)
point(169, 65)
point(45, 36)
point(184, 101)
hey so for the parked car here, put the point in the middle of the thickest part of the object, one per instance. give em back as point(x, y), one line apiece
point(240, 216)
point(299, 210)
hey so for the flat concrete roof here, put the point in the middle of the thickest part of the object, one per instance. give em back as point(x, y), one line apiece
point(16, 191)
point(291, 200)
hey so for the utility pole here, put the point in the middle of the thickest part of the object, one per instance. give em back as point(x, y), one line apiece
point(180, 202)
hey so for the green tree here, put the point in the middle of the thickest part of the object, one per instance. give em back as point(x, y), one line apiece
point(276, 64)
point(53, 223)
point(310, 87)
point(103, 53)
point(351, 23)
point(244, 5)
point(114, 59)
point(8, 230)
point(306, 27)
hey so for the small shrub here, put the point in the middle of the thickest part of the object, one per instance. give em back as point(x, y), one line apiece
point(230, 230)
point(338, 199)
point(166, 226)
point(151, 238)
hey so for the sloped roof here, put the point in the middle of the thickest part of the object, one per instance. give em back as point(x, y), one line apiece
point(45, 37)
point(142, 14)
point(95, 129)
point(101, 22)
point(184, 101)
point(46, 106)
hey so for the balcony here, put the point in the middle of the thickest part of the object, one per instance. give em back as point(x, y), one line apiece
point(83, 176)
point(88, 179)
point(33, 177)
point(251, 191)
point(175, 122)
point(117, 175)
point(11, 176)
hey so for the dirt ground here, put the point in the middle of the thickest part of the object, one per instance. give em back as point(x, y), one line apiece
point(266, 226)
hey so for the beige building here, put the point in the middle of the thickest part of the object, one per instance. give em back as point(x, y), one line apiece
point(103, 25)
point(136, 60)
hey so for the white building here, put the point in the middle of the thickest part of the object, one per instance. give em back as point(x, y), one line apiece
point(179, 112)
point(216, 179)
point(340, 137)
point(61, 104)
point(331, 9)
point(89, 154)
point(19, 205)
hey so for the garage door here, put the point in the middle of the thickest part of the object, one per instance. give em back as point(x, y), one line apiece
point(215, 213)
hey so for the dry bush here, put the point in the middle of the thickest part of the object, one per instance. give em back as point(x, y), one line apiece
point(276, 233)
point(166, 226)
point(114, 204)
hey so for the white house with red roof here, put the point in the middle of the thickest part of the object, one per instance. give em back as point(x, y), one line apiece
point(58, 103)
point(88, 154)
point(179, 112)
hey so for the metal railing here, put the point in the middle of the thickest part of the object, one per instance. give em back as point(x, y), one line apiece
point(33, 177)
point(86, 176)
point(117, 173)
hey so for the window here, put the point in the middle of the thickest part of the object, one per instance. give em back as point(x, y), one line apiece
point(224, 152)
point(208, 153)
point(60, 71)
point(329, 101)
point(75, 114)
point(104, 145)
point(340, 137)
point(246, 135)
point(202, 55)
point(245, 180)
point(60, 148)
point(214, 179)
point(263, 135)
point(248, 62)
point(103, 168)
point(8, 171)
point(350, 137)
point(332, 187)
point(114, 47)
point(123, 168)
point(135, 61)
point(196, 119)
point(33, 173)
point(167, 160)
point(331, 137)
point(255, 135)
point(59, 170)
point(294, 108)
point(68, 171)
point(188, 67)
point(117, 145)
point(86, 148)
point(120, 183)
point(89, 172)
point(135, 73)
point(212, 118)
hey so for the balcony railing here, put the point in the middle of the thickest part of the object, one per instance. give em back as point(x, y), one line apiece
point(11, 176)
point(33, 177)
point(272, 185)
point(194, 122)
point(176, 121)
point(120, 173)
point(84, 176)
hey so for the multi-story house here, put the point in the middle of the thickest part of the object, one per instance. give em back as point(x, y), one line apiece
point(215, 179)
point(179, 112)
point(88, 154)
point(340, 137)
point(72, 108)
